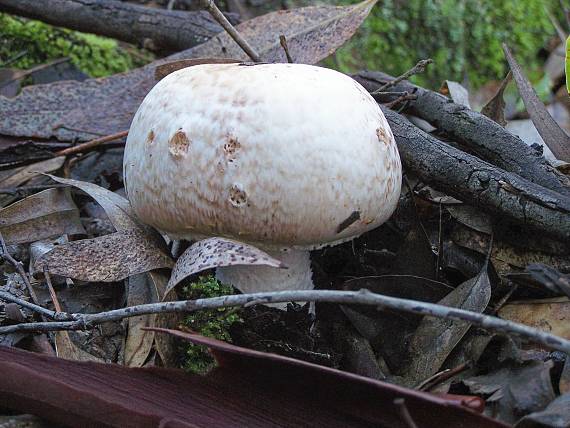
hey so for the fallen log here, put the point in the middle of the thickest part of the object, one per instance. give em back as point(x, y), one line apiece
point(479, 183)
point(476, 132)
point(168, 30)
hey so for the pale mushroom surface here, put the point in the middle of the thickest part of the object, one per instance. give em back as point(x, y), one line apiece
point(279, 155)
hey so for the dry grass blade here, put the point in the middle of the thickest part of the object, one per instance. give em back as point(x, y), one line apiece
point(43, 215)
point(495, 108)
point(554, 137)
point(107, 258)
point(215, 252)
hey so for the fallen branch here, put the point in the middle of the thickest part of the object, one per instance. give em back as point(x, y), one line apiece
point(89, 145)
point(479, 183)
point(169, 30)
point(362, 297)
point(476, 132)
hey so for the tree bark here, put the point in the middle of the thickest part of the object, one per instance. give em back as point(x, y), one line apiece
point(168, 30)
point(479, 134)
point(479, 183)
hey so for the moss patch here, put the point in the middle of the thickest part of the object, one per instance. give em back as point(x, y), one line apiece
point(213, 323)
point(94, 55)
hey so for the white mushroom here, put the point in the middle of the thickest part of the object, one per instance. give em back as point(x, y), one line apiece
point(287, 157)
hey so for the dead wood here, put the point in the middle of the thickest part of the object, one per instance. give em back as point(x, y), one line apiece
point(479, 183)
point(479, 134)
point(168, 30)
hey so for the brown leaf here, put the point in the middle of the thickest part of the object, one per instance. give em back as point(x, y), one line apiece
point(550, 315)
point(138, 344)
point(117, 208)
point(166, 346)
point(554, 137)
point(65, 348)
point(215, 252)
point(42, 215)
point(435, 338)
point(106, 258)
point(495, 107)
point(515, 391)
point(164, 70)
point(97, 107)
point(456, 92)
point(472, 217)
point(17, 176)
point(250, 389)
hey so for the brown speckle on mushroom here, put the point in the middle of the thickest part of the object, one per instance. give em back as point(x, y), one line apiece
point(178, 144)
point(150, 137)
point(237, 196)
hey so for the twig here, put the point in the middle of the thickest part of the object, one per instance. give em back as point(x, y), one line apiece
point(223, 21)
point(400, 403)
point(362, 297)
point(283, 42)
point(416, 69)
point(52, 294)
point(440, 377)
point(7, 297)
point(405, 97)
point(18, 266)
point(82, 148)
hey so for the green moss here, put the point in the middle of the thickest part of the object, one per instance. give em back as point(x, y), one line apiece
point(463, 37)
point(94, 55)
point(212, 322)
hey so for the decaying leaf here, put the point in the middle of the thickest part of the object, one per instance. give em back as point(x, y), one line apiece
point(456, 92)
point(472, 217)
point(164, 70)
point(515, 391)
point(550, 278)
point(215, 252)
point(140, 290)
point(17, 176)
point(435, 338)
point(550, 315)
point(556, 415)
point(495, 108)
point(65, 348)
point(165, 345)
point(98, 107)
point(554, 137)
point(42, 215)
point(249, 388)
point(106, 258)
point(117, 208)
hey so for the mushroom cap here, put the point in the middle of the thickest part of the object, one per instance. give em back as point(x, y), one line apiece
point(278, 155)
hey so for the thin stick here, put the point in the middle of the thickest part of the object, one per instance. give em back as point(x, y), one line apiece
point(416, 69)
point(7, 297)
point(362, 297)
point(52, 294)
point(283, 42)
point(223, 21)
point(18, 266)
point(81, 148)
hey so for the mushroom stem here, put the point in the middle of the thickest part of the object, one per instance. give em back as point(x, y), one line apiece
point(247, 278)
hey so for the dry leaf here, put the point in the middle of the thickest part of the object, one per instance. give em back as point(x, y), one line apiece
point(18, 176)
point(215, 252)
point(456, 92)
point(472, 217)
point(106, 258)
point(550, 315)
point(65, 348)
point(98, 107)
point(495, 108)
point(117, 208)
point(556, 415)
point(40, 216)
point(164, 70)
point(249, 389)
point(554, 137)
point(140, 290)
point(435, 338)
